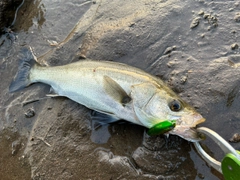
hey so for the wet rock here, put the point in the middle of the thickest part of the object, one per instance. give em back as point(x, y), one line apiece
point(153, 143)
point(107, 33)
point(148, 162)
point(164, 161)
point(235, 138)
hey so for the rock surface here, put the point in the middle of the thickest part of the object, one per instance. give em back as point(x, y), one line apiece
point(58, 141)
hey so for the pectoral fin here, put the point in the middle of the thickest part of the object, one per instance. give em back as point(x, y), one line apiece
point(114, 90)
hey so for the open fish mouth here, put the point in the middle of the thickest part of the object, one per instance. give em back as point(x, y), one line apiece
point(186, 128)
point(188, 133)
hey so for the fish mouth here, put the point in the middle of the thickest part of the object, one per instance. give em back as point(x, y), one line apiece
point(188, 133)
point(186, 128)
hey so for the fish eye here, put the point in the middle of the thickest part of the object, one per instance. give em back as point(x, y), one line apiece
point(175, 105)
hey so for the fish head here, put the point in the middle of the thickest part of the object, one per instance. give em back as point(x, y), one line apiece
point(153, 104)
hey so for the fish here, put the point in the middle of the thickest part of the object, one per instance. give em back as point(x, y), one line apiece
point(119, 91)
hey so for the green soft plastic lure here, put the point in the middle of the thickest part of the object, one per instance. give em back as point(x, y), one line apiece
point(162, 127)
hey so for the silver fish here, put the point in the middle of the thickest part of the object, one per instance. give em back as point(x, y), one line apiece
point(115, 89)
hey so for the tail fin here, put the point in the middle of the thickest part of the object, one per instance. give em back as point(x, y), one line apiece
point(26, 62)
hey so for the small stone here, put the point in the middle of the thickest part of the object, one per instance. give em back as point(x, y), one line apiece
point(82, 56)
point(201, 176)
point(235, 138)
point(201, 12)
point(212, 20)
point(237, 17)
point(234, 46)
point(52, 43)
point(206, 16)
point(131, 24)
point(195, 23)
point(170, 64)
point(183, 79)
point(30, 113)
point(16, 145)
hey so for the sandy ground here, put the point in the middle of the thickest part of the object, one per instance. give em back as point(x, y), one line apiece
point(192, 45)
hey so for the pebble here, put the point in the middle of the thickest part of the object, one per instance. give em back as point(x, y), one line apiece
point(235, 138)
point(30, 113)
point(237, 17)
point(16, 145)
point(183, 79)
point(201, 12)
point(195, 22)
point(234, 46)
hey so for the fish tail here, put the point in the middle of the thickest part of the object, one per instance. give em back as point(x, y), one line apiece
point(26, 62)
